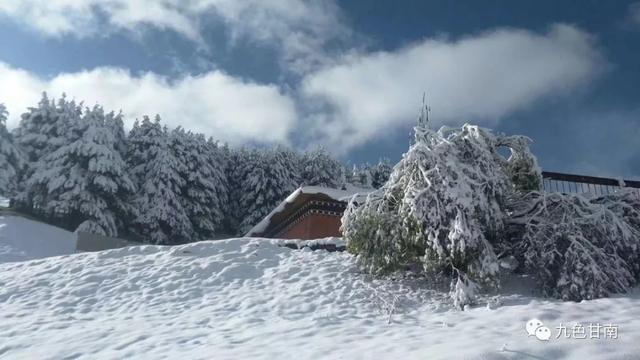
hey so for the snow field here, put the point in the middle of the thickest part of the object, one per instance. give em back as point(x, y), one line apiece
point(252, 298)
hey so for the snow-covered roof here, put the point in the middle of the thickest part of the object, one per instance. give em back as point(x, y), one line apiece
point(335, 194)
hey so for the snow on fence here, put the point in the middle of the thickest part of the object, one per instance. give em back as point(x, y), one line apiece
point(570, 183)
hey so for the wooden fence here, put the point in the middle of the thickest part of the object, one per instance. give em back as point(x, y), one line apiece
point(570, 183)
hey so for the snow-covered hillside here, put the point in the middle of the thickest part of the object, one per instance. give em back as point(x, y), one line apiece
point(25, 239)
point(253, 299)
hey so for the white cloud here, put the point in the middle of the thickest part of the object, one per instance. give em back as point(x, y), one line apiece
point(475, 79)
point(345, 101)
point(84, 18)
point(300, 29)
point(216, 104)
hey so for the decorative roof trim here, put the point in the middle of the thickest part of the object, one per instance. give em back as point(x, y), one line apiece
point(313, 207)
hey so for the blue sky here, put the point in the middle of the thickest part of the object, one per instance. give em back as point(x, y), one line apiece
point(348, 75)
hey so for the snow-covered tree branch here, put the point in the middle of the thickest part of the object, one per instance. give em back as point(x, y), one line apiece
point(579, 246)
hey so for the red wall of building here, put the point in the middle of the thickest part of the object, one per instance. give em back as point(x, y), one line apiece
point(314, 226)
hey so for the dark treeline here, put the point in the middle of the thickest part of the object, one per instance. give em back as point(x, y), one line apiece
point(76, 167)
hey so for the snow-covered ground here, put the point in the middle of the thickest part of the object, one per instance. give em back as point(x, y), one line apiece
point(255, 299)
point(24, 239)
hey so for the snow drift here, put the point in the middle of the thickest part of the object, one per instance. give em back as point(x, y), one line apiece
point(257, 299)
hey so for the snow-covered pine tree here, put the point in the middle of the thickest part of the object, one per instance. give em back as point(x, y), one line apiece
point(362, 176)
point(344, 178)
point(271, 179)
point(116, 123)
point(138, 143)
point(123, 208)
point(43, 129)
point(354, 177)
point(238, 167)
point(346, 174)
point(359, 176)
point(320, 169)
point(35, 129)
point(380, 173)
point(12, 160)
point(441, 207)
point(84, 182)
point(219, 158)
point(162, 218)
point(253, 191)
point(204, 193)
point(287, 167)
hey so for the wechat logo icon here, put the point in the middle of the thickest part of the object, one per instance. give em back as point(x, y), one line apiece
point(535, 327)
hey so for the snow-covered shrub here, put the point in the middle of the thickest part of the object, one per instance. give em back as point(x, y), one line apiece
point(383, 238)
point(580, 246)
point(442, 206)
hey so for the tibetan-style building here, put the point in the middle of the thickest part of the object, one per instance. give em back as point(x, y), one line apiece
point(310, 212)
